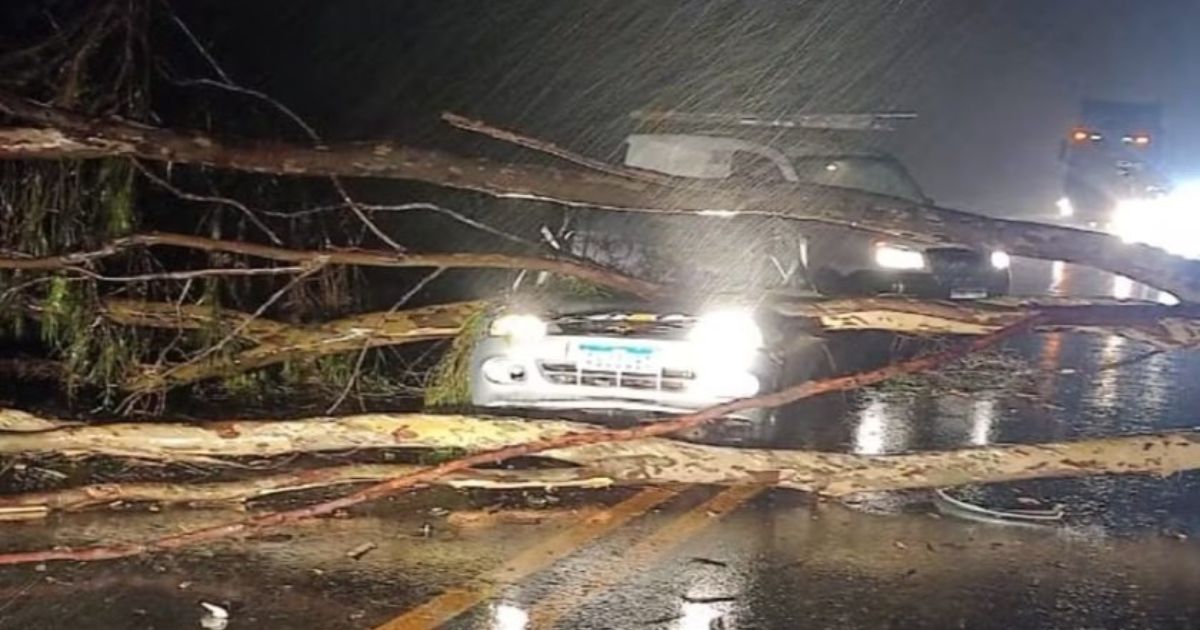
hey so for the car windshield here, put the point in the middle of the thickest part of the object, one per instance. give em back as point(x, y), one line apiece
point(877, 174)
point(706, 254)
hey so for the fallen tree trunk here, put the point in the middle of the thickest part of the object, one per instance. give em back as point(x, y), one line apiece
point(236, 493)
point(652, 460)
point(73, 136)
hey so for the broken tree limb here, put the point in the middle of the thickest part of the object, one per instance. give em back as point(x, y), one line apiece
point(567, 441)
point(183, 316)
point(362, 257)
point(70, 135)
point(238, 492)
point(1158, 324)
point(650, 460)
point(275, 342)
point(348, 334)
point(668, 461)
point(549, 148)
point(184, 441)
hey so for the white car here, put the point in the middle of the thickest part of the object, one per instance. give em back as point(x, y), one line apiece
point(565, 349)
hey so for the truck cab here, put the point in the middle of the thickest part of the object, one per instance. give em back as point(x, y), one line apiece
point(1113, 154)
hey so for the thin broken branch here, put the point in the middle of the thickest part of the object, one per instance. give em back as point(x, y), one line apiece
point(549, 148)
point(250, 215)
point(362, 257)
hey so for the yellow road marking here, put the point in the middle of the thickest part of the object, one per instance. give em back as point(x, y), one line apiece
point(458, 600)
point(571, 596)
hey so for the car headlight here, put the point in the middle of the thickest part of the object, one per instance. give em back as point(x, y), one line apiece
point(519, 327)
point(893, 257)
point(727, 339)
point(1001, 260)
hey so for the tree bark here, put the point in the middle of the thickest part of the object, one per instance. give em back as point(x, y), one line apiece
point(649, 460)
point(70, 135)
point(349, 334)
point(237, 492)
point(1161, 325)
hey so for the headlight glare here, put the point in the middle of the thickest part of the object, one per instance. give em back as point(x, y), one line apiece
point(892, 257)
point(1001, 260)
point(519, 327)
point(729, 338)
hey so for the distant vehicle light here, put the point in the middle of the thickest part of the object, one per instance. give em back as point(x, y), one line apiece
point(1095, 137)
point(1079, 135)
point(1141, 140)
point(831, 167)
point(893, 257)
point(1001, 260)
point(1169, 222)
point(1065, 207)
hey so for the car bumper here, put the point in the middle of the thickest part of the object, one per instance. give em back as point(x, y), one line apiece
point(553, 377)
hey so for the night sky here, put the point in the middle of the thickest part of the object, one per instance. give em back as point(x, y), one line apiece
point(996, 83)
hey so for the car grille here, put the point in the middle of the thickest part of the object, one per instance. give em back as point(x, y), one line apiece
point(955, 262)
point(622, 327)
point(667, 380)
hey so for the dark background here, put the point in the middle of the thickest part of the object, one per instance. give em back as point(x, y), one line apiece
point(996, 83)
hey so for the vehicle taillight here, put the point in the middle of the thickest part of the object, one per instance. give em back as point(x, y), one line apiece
point(1137, 139)
point(1086, 135)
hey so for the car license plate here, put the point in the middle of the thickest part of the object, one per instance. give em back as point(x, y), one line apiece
point(967, 294)
point(615, 357)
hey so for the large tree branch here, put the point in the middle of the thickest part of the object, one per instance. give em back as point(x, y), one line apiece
point(362, 257)
point(276, 342)
point(651, 460)
point(182, 316)
point(237, 492)
point(370, 330)
point(74, 136)
point(1163, 326)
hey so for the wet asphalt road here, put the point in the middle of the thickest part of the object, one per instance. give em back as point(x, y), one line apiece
point(706, 558)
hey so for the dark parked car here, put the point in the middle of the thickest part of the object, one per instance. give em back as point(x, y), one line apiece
point(837, 260)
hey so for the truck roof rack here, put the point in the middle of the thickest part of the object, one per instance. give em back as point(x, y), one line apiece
point(877, 121)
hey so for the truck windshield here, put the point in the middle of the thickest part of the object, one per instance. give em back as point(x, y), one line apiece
point(875, 174)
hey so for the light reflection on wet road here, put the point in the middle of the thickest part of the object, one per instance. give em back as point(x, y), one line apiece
point(704, 559)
